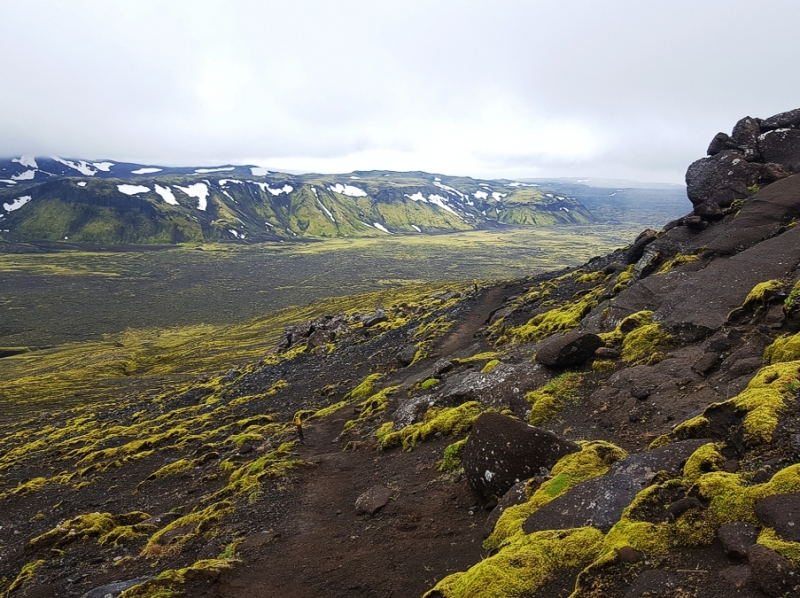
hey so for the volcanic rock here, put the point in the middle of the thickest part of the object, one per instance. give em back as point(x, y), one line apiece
point(782, 513)
point(599, 502)
point(373, 500)
point(502, 451)
point(737, 538)
point(773, 573)
point(568, 349)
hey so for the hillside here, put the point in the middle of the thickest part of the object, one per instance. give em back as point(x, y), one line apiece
point(105, 202)
point(626, 428)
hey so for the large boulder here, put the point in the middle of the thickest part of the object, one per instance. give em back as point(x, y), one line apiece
point(564, 350)
point(599, 502)
point(721, 178)
point(782, 513)
point(503, 451)
point(781, 146)
point(745, 136)
point(782, 120)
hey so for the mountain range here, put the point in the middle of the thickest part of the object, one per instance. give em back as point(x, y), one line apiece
point(109, 202)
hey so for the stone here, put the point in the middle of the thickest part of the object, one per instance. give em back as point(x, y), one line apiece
point(695, 222)
point(706, 363)
point(320, 337)
point(782, 146)
point(626, 554)
point(256, 540)
point(373, 500)
point(641, 393)
point(708, 211)
point(442, 366)
point(599, 502)
point(412, 410)
point(406, 355)
point(642, 240)
point(568, 349)
point(782, 513)
point(721, 142)
point(606, 353)
point(114, 589)
point(782, 120)
point(503, 451)
point(378, 318)
point(516, 495)
point(737, 538)
point(721, 178)
point(773, 573)
point(745, 136)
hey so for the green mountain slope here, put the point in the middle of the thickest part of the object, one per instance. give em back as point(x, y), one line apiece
point(235, 205)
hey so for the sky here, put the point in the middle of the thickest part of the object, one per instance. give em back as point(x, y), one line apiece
point(629, 89)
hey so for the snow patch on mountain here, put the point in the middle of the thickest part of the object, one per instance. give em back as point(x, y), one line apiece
point(209, 170)
point(28, 161)
point(147, 170)
point(17, 203)
point(132, 189)
point(348, 190)
point(167, 195)
point(103, 166)
point(24, 176)
point(379, 226)
point(199, 191)
point(83, 167)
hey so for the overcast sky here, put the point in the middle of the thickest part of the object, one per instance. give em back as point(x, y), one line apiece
point(621, 89)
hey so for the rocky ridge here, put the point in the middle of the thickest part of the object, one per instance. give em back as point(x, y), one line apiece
point(626, 428)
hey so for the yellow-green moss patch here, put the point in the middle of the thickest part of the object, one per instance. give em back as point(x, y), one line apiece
point(451, 458)
point(193, 524)
point(645, 345)
point(631, 322)
point(594, 459)
point(547, 402)
point(677, 261)
point(448, 421)
point(558, 319)
point(784, 348)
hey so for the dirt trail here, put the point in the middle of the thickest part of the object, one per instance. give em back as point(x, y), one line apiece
point(323, 548)
point(463, 334)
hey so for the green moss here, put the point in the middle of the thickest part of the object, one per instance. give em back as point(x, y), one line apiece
point(763, 291)
point(783, 349)
point(677, 261)
point(645, 345)
point(623, 280)
point(364, 389)
point(247, 478)
point(629, 323)
point(272, 390)
point(593, 460)
point(788, 550)
point(660, 441)
point(486, 355)
point(168, 583)
point(24, 576)
point(104, 526)
point(490, 365)
point(561, 318)
point(603, 365)
point(547, 402)
point(448, 421)
point(451, 458)
point(194, 524)
point(429, 383)
point(705, 459)
point(522, 567)
point(377, 403)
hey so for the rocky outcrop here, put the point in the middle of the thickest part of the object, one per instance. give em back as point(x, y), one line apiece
point(564, 350)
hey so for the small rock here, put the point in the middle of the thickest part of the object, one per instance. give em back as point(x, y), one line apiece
point(782, 513)
point(737, 538)
point(626, 554)
point(706, 363)
point(375, 320)
point(373, 500)
point(406, 355)
point(606, 353)
point(773, 573)
point(640, 393)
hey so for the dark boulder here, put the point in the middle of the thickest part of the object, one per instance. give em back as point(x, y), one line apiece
point(568, 349)
point(637, 249)
point(320, 337)
point(782, 120)
point(708, 211)
point(515, 496)
point(406, 355)
point(745, 136)
point(599, 502)
point(782, 513)
point(721, 178)
point(502, 451)
point(720, 143)
point(773, 573)
point(782, 146)
point(737, 538)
